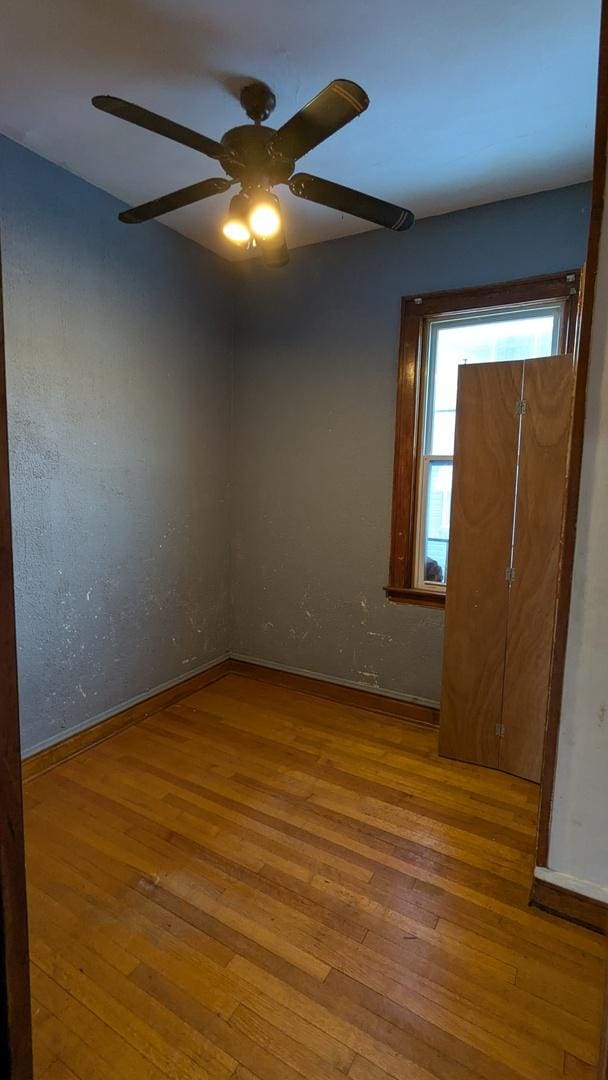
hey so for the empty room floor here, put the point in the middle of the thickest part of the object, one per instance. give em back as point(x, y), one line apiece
point(258, 882)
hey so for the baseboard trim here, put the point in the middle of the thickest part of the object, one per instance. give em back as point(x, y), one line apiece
point(557, 900)
point(46, 758)
point(387, 704)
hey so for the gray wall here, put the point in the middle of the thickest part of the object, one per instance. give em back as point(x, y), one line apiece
point(119, 355)
point(123, 345)
point(315, 378)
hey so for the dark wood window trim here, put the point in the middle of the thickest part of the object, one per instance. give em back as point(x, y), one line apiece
point(415, 313)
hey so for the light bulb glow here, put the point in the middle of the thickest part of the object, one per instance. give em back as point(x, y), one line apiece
point(265, 220)
point(236, 230)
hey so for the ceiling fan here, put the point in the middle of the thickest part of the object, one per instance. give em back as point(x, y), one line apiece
point(258, 157)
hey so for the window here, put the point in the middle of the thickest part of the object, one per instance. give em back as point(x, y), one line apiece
point(441, 331)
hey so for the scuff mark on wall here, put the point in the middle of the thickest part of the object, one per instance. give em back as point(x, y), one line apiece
point(369, 676)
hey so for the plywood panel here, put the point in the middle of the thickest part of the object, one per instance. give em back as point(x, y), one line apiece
point(480, 537)
point(545, 436)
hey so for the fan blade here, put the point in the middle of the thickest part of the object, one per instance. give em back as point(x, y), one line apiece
point(134, 114)
point(342, 198)
point(183, 197)
point(329, 111)
point(274, 255)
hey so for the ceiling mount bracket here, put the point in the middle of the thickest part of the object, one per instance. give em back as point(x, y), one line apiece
point(258, 101)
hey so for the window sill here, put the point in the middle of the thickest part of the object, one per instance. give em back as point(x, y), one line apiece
point(399, 595)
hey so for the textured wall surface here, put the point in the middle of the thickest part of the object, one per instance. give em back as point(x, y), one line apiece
point(119, 356)
point(127, 351)
point(578, 850)
point(315, 380)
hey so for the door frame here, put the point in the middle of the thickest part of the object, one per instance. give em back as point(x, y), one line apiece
point(603, 1062)
point(15, 1015)
point(15, 1008)
point(582, 348)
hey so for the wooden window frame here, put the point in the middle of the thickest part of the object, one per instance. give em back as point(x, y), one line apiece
point(416, 311)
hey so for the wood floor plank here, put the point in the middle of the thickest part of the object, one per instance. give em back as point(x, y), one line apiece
point(365, 1070)
point(263, 885)
point(579, 1070)
point(153, 1030)
point(361, 853)
point(45, 1050)
point(76, 1019)
point(59, 1071)
point(386, 837)
point(346, 1024)
point(238, 1043)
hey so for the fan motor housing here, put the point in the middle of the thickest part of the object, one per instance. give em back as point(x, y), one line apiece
point(248, 158)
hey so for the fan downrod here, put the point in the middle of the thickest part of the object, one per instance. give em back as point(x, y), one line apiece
point(258, 101)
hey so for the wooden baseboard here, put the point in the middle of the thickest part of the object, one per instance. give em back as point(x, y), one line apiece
point(373, 701)
point(82, 740)
point(344, 695)
point(569, 905)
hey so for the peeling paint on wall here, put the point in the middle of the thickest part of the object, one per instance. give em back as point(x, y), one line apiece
point(119, 355)
point(315, 379)
point(120, 347)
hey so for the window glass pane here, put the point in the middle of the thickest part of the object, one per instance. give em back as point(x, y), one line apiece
point(444, 424)
point(437, 521)
point(479, 339)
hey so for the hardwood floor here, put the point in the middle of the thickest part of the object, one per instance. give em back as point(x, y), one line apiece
point(259, 883)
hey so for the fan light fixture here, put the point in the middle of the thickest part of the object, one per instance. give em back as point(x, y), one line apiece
point(258, 216)
point(235, 227)
point(265, 217)
point(237, 231)
point(258, 158)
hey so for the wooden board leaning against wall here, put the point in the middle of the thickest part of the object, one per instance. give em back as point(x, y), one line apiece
point(510, 468)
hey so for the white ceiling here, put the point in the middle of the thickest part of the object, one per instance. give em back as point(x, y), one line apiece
point(471, 100)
